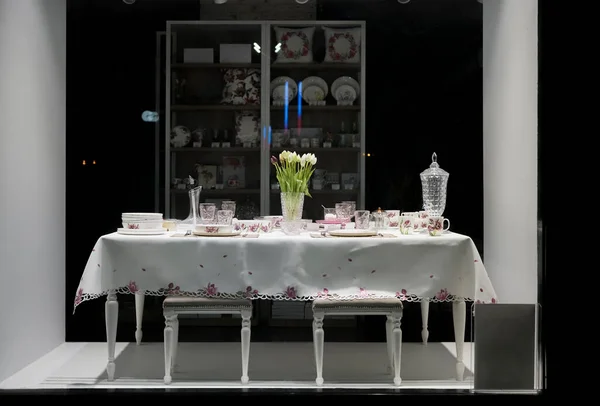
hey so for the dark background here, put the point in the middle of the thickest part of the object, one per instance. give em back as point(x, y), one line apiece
point(424, 94)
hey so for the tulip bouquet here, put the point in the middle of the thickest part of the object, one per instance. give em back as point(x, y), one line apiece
point(293, 173)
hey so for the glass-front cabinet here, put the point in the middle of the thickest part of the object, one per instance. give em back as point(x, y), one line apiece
point(241, 92)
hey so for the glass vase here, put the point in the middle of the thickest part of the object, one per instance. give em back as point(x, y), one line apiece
point(291, 205)
point(194, 216)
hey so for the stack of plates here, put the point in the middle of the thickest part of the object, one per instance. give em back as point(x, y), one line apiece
point(142, 224)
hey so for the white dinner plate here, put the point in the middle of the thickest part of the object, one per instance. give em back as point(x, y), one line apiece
point(127, 231)
point(352, 233)
point(204, 234)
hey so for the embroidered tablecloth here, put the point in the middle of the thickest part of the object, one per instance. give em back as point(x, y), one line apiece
point(279, 267)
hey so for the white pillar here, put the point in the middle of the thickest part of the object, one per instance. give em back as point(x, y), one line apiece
point(32, 180)
point(510, 84)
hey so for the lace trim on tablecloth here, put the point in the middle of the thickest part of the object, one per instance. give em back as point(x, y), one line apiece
point(84, 297)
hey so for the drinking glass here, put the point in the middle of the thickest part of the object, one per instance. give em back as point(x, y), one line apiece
point(228, 205)
point(207, 212)
point(352, 206)
point(361, 219)
point(224, 217)
point(343, 211)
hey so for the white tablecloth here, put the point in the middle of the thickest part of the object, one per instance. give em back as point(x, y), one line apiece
point(279, 267)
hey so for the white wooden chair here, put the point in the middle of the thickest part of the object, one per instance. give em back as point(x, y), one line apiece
point(176, 305)
point(392, 308)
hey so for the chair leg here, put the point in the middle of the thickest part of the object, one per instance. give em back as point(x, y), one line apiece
point(169, 321)
point(397, 339)
point(175, 344)
point(246, 316)
point(390, 343)
point(319, 343)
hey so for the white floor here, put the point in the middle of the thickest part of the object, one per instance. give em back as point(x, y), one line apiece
point(218, 365)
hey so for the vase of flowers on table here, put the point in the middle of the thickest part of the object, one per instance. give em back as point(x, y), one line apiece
point(293, 173)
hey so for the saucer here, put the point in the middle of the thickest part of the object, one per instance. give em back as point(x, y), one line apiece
point(148, 231)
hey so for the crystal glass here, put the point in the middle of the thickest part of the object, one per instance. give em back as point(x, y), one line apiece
point(361, 219)
point(343, 211)
point(224, 217)
point(434, 181)
point(293, 227)
point(352, 206)
point(329, 213)
point(194, 195)
point(207, 212)
point(228, 205)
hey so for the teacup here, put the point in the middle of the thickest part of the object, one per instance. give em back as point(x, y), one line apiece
point(406, 224)
point(393, 218)
point(435, 225)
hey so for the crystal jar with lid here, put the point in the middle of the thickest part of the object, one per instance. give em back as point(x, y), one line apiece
point(434, 181)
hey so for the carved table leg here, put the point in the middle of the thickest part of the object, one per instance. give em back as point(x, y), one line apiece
point(425, 321)
point(111, 311)
point(169, 343)
point(459, 316)
point(397, 339)
point(319, 343)
point(139, 315)
point(246, 316)
point(389, 338)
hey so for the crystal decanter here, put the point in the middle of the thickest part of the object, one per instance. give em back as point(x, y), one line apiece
point(434, 181)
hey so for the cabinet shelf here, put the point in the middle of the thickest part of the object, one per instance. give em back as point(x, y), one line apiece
point(325, 192)
point(316, 66)
point(223, 107)
point(316, 150)
point(214, 65)
point(332, 107)
point(217, 150)
point(219, 192)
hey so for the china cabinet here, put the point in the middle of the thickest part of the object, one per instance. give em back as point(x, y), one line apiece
point(226, 88)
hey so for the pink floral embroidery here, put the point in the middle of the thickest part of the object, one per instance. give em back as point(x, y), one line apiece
point(211, 289)
point(401, 294)
point(442, 294)
point(79, 297)
point(254, 228)
point(212, 230)
point(250, 292)
point(323, 293)
point(363, 292)
point(133, 226)
point(172, 289)
point(265, 229)
point(132, 287)
point(290, 292)
point(393, 224)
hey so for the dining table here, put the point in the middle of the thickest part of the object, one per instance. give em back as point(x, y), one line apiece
point(275, 266)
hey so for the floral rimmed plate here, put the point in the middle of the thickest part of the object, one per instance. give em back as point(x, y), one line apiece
point(205, 234)
point(352, 233)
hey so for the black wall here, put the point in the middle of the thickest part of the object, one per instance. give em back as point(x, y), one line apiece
point(424, 94)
